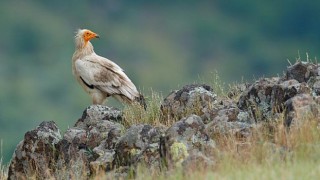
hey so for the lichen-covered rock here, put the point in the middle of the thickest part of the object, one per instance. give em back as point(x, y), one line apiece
point(316, 88)
point(221, 113)
point(300, 108)
point(191, 99)
point(106, 135)
point(184, 139)
point(266, 97)
point(140, 143)
point(302, 71)
point(95, 113)
point(222, 107)
point(314, 83)
point(229, 120)
point(93, 138)
point(197, 160)
point(35, 155)
point(284, 91)
point(105, 159)
point(238, 89)
point(223, 128)
point(98, 142)
point(257, 98)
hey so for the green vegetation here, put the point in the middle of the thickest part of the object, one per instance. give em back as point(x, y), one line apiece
point(272, 152)
point(136, 114)
point(161, 45)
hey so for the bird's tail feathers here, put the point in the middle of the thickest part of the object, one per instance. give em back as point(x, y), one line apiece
point(140, 99)
point(130, 94)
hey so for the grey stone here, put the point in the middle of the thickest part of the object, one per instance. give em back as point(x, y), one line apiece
point(299, 109)
point(191, 99)
point(257, 99)
point(93, 138)
point(95, 113)
point(266, 97)
point(223, 128)
point(35, 154)
point(139, 144)
point(302, 71)
point(184, 138)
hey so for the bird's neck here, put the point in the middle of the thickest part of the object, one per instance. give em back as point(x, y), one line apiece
point(84, 48)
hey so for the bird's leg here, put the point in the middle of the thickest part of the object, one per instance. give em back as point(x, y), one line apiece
point(97, 98)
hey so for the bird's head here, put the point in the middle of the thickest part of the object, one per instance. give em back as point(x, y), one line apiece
point(86, 34)
point(83, 36)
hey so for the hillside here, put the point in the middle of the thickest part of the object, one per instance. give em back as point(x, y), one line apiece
point(161, 46)
point(269, 127)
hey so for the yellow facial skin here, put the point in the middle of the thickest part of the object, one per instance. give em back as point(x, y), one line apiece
point(88, 35)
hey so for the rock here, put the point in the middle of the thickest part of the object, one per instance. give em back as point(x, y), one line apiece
point(185, 140)
point(223, 107)
point(89, 147)
point(106, 135)
point(300, 108)
point(266, 97)
point(257, 98)
point(197, 161)
point(96, 113)
point(230, 120)
point(314, 83)
point(93, 138)
point(35, 155)
point(284, 91)
point(191, 99)
point(238, 89)
point(302, 71)
point(99, 143)
point(140, 144)
point(225, 128)
point(221, 112)
point(226, 118)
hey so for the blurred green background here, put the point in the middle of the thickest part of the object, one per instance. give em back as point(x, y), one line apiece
point(162, 45)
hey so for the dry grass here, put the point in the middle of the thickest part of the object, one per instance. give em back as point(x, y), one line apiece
point(271, 152)
point(3, 170)
point(136, 114)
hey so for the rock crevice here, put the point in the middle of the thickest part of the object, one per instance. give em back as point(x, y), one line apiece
point(99, 142)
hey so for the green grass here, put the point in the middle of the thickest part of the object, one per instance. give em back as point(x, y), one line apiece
point(283, 154)
point(271, 152)
point(136, 114)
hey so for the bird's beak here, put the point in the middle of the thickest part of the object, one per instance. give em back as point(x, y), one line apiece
point(87, 36)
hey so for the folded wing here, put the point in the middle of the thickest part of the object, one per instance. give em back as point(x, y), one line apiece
point(106, 76)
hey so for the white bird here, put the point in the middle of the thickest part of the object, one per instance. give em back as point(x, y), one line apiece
point(99, 76)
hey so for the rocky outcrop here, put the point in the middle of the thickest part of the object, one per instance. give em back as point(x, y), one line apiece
point(302, 71)
point(98, 142)
point(89, 145)
point(185, 141)
point(140, 144)
point(191, 99)
point(268, 97)
point(301, 108)
point(34, 156)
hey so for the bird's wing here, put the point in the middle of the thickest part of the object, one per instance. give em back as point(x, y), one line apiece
point(106, 76)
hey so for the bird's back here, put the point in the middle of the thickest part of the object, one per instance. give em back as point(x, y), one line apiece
point(101, 77)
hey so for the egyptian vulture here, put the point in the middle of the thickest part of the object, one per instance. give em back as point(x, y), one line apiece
point(99, 76)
